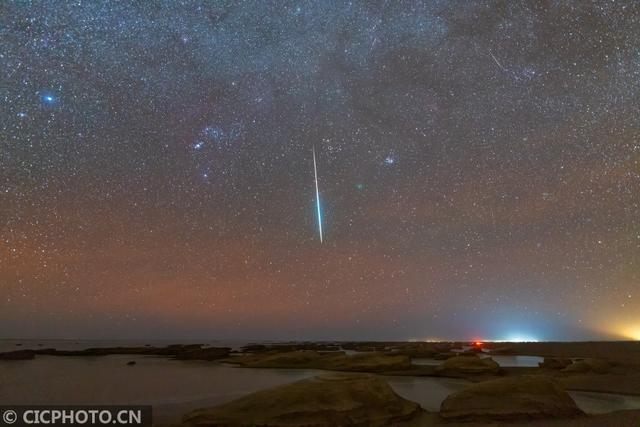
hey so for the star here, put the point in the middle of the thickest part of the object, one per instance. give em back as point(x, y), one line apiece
point(48, 98)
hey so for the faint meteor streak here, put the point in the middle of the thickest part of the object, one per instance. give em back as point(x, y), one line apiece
point(315, 173)
point(497, 62)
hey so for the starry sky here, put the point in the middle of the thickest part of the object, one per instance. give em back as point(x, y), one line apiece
point(478, 169)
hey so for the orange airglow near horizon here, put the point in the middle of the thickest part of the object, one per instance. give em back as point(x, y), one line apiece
point(632, 333)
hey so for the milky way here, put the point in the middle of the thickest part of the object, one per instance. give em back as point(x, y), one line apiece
point(480, 169)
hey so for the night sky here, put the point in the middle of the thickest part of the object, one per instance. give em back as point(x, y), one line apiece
point(478, 169)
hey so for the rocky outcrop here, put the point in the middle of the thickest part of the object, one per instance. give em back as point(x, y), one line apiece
point(369, 346)
point(208, 353)
point(445, 355)
point(288, 347)
point(597, 366)
point(523, 397)
point(555, 363)
point(503, 351)
point(293, 359)
point(324, 401)
point(468, 365)
point(368, 362)
point(336, 361)
point(415, 352)
point(469, 353)
point(17, 355)
point(179, 351)
point(254, 348)
point(171, 350)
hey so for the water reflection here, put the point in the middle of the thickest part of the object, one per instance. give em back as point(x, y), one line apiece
point(600, 403)
point(504, 361)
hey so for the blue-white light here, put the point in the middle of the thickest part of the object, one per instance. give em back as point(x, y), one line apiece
point(521, 338)
point(48, 98)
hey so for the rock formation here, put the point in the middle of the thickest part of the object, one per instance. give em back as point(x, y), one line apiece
point(328, 400)
point(510, 399)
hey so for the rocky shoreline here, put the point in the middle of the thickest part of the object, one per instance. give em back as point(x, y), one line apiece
point(508, 395)
point(177, 351)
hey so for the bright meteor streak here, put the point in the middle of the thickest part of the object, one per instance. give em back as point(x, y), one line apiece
point(315, 173)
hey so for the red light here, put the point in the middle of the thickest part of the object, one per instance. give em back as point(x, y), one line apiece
point(478, 343)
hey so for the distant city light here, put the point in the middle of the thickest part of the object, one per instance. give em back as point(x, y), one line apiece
point(521, 338)
point(632, 333)
point(427, 339)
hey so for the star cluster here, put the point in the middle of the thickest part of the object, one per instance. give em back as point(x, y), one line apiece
point(478, 162)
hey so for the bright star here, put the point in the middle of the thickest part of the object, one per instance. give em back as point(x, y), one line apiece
point(48, 98)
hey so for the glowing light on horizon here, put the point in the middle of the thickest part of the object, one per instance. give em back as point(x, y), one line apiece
point(521, 338)
point(618, 330)
point(315, 173)
point(427, 339)
point(632, 333)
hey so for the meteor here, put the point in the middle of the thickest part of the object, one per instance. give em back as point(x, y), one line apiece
point(497, 62)
point(315, 173)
